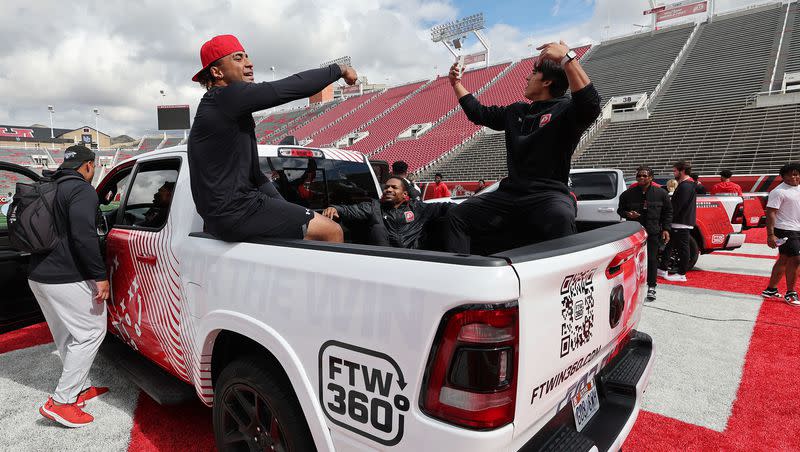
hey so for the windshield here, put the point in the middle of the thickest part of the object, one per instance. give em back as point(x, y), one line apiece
point(316, 183)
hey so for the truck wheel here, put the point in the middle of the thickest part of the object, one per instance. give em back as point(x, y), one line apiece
point(254, 410)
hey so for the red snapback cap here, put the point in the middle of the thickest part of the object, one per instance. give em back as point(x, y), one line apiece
point(216, 48)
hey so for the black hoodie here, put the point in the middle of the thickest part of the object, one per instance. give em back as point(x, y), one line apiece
point(77, 256)
point(540, 136)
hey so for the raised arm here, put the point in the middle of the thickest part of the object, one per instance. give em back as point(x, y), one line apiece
point(578, 79)
point(492, 117)
point(241, 98)
point(585, 105)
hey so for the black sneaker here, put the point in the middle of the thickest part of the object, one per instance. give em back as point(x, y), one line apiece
point(651, 294)
point(771, 293)
point(792, 299)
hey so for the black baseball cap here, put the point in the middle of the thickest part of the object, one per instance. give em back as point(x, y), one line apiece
point(74, 156)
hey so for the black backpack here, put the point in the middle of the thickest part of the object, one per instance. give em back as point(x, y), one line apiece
point(32, 224)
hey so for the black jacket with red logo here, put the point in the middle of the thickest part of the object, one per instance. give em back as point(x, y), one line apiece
point(404, 226)
point(540, 136)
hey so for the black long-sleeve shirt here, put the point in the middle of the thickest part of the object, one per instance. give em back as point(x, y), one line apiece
point(654, 206)
point(405, 225)
point(540, 136)
point(684, 203)
point(77, 256)
point(222, 149)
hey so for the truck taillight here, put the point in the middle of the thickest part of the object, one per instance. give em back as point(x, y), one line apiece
point(738, 214)
point(471, 378)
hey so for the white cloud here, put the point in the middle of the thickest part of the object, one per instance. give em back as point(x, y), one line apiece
point(116, 55)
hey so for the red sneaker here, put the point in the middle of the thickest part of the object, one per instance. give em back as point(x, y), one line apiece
point(90, 393)
point(67, 415)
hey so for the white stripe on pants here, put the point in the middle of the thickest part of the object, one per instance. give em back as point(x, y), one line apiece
point(78, 325)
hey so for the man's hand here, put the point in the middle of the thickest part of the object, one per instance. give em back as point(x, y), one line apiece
point(665, 236)
point(553, 51)
point(634, 214)
point(331, 213)
point(771, 241)
point(102, 291)
point(454, 75)
point(349, 75)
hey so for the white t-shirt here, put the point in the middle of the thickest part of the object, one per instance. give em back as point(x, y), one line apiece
point(786, 199)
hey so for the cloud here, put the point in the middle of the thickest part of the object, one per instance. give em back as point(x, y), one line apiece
point(116, 55)
point(556, 8)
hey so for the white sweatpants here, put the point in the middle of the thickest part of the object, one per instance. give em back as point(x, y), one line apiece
point(78, 325)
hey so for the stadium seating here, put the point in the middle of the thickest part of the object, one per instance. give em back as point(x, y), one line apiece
point(364, 114)
point(429, 105)
point(149, 144)
point(20, 156)
point(309, 114)
point(644, 59)
point(793, 44)
point(702, 116)
point(171, 141)
point(330, 116)
point(274, 121)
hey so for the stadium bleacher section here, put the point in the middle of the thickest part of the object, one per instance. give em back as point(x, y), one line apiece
point(702, 115)
point(170, 141)
point(793, 44)
point(430, 104)
point(644, 60)
point(310, 113)
point(329, 117)
point(149, 144)
point(363, 115)
point(273, 122)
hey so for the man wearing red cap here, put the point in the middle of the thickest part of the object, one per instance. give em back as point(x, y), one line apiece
point(234, 197)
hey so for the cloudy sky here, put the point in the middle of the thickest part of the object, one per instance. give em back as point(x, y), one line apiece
point(117, 55)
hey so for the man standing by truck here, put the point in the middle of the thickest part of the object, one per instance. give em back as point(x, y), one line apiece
point(236, 200)
point(71, 286)
point(540, 139)
point(650, 206)
point(684, 216)
point(783, 232)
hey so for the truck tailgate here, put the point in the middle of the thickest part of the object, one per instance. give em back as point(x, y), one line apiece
point(580, 296)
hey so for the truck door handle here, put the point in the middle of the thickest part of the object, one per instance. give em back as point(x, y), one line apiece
point(606, 209)
point(146, 258)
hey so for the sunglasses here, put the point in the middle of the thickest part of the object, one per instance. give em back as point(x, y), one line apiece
point(642, 175)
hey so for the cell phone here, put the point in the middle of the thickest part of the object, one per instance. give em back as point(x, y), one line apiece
point(460, 65)
point(781, 240)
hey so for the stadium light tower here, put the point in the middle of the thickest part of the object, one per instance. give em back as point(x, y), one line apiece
point(51, 110)
point(96, 128)
point(453, 34)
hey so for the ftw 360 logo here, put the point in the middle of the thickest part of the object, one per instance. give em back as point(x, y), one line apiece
point(363, 391)
point(577, 310)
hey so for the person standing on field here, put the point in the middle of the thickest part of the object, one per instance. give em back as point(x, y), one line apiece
point(783, 232)
point(650, 206)
point(71, 286)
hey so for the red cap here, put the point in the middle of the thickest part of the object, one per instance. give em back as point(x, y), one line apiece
point(216, 48)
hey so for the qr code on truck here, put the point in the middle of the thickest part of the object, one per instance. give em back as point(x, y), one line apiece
point(577, 310)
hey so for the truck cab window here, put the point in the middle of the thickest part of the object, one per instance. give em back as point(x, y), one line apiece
point(150, 197)
point(316, 183)
point(594, 185)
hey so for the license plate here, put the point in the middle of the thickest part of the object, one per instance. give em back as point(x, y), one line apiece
point(585, 404)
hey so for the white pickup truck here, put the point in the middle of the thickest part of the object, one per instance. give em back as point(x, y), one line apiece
point(301, 345)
